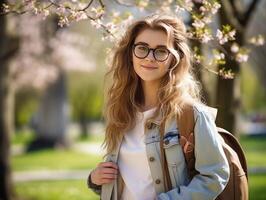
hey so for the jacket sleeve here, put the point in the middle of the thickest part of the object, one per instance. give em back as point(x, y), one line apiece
point(211, 163)
point(95, 188)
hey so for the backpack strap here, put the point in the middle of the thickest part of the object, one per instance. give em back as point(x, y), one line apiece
point(165, 170)
point(186, 124)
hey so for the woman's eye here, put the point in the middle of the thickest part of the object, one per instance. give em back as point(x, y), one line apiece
point(143, 48)
point(161, 51)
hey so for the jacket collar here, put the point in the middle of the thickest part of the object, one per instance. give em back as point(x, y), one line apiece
point(211, 110)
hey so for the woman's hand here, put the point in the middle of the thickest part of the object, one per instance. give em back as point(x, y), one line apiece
point(104, 173)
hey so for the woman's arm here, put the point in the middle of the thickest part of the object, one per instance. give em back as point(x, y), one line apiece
point(104, 173)
point(211, 163)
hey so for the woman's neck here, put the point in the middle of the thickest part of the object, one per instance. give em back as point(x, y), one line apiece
point(150, 90)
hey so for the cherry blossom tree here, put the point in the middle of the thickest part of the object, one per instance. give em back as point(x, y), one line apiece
point(8, 48)
point(46, 53)
point(228, 96)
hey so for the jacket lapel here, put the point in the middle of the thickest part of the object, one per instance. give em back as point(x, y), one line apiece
point(107, 189)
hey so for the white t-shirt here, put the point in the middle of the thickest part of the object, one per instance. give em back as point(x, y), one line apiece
point(133, 163)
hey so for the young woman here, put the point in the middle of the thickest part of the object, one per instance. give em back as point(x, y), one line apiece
point(152, 83)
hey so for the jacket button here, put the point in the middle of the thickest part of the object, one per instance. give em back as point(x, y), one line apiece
point(152, 159)
point(166, 142)
point(158, 181)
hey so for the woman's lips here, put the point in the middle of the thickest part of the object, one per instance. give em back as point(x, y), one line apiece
point(148, 67)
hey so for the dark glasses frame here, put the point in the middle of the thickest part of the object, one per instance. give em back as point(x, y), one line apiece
point(153, 52)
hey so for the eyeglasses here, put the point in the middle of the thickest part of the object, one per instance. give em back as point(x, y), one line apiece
point(142, 51)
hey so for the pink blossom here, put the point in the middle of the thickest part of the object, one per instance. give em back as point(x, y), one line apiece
point(234, 48)
point(202, 9)
point(96, 23)
point(6, 8)
point(219, 34)
point(97, 12)
point(219, 56)
point(63, 21)
point(215, 8)
point(45, 13)
point(205, 38)
point(80, 15)
point(257, 40)
point(61, 10)
point(178, 9)
point(225, 37)
point(198, 23)
point(242, 57)
point(232, 34)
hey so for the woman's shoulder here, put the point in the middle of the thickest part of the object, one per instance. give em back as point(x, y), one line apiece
point(201, 109)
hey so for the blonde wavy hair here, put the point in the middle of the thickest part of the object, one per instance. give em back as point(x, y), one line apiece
point(125, 96)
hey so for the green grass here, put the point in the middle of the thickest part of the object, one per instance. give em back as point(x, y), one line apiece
point(76, 189)
point(91, 138)
point(55, 190)
point(54, 159)
point(255, 150)
point(22, 137)
point(257, 187)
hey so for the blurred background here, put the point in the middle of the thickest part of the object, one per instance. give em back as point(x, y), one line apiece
point(52, 88)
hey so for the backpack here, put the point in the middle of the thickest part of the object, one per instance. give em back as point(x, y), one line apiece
point(237, 186)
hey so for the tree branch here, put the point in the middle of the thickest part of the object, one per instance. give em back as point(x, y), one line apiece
point(86, 7)
point(235, 11)
point(123, 3)
point(22, 11)
point(101, 3)
point(228, 11)
point(246, 17)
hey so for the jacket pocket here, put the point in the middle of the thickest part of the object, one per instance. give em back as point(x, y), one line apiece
point(171, 138)
point(173, 171)
point(172, 148)
point(174, 157)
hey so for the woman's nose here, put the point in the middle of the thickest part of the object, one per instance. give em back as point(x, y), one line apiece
point(150, 56)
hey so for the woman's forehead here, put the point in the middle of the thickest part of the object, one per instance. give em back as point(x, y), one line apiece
point(152, 37)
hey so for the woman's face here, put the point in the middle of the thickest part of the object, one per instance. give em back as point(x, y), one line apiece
point(149, 69)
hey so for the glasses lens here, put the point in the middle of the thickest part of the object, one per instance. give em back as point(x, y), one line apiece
point(141, 51)
point(161, 54)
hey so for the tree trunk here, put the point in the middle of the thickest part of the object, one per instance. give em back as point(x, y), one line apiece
point(83, 122)
point(8, 48)
point(5, 129)
point(228, 100)
point(51, 119)
point(198, 73)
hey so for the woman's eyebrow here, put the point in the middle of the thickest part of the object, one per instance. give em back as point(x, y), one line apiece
point(144, 43)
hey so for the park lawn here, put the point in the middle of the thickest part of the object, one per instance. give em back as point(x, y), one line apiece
point(91, 138)
point(22, 137)
point(257, 187)
point(255, 150)
point(77, 189)
point(54, 160)
point(55, 190)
